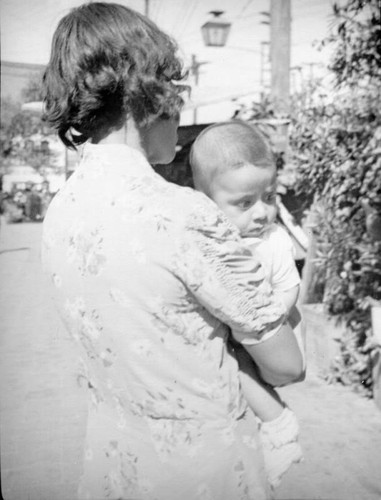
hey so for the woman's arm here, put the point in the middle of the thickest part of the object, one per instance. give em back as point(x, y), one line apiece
point(278, 358)
point(225, 278)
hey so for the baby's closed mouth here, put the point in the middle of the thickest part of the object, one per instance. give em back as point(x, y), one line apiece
point(255, 232)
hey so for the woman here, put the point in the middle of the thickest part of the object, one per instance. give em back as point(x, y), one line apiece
point(147, 273)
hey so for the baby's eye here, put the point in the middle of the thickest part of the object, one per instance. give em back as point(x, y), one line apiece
point(244, 204)
point(270, 197)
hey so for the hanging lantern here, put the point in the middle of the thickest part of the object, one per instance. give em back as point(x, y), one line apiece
point(215, 32)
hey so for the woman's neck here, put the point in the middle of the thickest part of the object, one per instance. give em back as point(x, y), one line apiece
point(129, 135)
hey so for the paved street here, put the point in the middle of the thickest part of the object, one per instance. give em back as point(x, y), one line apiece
point(43, 413)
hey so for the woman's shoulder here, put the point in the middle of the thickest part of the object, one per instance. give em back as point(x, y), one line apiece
point(199, 213)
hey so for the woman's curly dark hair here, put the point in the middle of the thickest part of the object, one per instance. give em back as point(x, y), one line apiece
point(107, 62)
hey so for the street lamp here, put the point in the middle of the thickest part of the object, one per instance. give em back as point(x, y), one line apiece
point(215, 32)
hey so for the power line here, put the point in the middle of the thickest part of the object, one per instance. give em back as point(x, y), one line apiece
point(244, 9)
point(181, 18)
point(159, 5)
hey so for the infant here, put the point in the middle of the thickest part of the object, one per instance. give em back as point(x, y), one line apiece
point(233, 164)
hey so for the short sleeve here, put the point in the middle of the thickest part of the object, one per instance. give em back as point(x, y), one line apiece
point(221, 272)
point(284, 274)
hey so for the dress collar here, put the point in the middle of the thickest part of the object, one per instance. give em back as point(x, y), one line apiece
point(116, 157)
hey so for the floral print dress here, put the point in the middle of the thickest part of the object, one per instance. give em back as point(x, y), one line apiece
point(146, 275)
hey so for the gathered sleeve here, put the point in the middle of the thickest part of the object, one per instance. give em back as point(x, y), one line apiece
point(221, 272)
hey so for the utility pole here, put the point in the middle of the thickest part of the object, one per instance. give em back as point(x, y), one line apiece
point(280, 35)
point(280, 42)
point(296, 78)
point(265, 59)
point(311, 66)
point(146, 8)
point(195, 71)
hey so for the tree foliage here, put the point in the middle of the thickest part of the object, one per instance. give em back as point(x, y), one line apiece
point(356, 36)
point(17, 127)
point(33, 89)
point(337, 147)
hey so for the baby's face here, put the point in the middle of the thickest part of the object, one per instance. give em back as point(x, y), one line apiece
point(247, 195)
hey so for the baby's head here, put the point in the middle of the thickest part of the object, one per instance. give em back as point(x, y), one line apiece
point(233, 164)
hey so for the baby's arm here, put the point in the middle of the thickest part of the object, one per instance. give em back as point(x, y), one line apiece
point(288, 297)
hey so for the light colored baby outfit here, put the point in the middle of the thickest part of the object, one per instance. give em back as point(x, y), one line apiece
point(279, 437)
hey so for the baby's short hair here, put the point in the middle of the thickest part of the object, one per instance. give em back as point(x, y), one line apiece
point(107, 62)
point(227, 145)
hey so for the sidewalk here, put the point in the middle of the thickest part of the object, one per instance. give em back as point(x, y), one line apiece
point(43, 413)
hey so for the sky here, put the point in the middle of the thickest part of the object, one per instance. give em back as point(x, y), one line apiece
point(27, 27)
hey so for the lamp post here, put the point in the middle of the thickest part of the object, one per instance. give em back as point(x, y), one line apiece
point(215, 32)
point(194, 68)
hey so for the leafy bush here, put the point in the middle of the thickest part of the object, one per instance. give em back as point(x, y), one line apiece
point(337, 147)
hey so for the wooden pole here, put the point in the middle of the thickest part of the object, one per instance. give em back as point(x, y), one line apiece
point(280, 36)
point(307, 290)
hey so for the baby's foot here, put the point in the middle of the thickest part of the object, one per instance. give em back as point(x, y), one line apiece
point(280, 445)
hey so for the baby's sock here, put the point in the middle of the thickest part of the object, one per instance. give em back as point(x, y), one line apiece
point(280, 445)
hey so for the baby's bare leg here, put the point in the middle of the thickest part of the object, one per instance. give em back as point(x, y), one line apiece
point(261, 397)
point(278, 427)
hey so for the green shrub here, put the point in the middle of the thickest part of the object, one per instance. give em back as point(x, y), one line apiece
point(337, 148)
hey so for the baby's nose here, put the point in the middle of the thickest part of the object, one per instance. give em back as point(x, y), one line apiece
point(260, 212)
